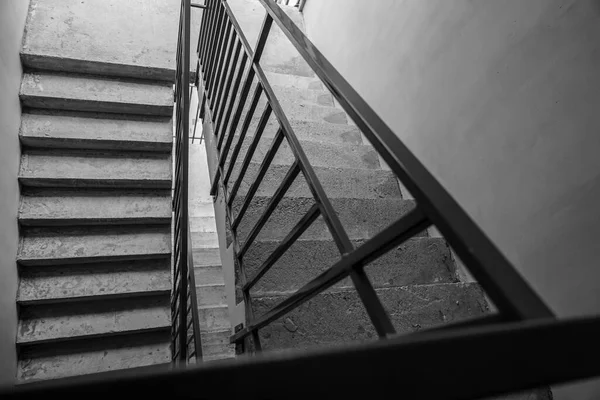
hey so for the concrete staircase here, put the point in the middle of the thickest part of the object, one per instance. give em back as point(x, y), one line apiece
point(95, 215)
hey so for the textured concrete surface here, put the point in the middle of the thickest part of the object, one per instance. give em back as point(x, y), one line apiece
point(78, 168)
point(214, 318)
point(136, 38)
point(339, 317)
point(295, 81)
point(419, 261)
point(12, 22)
point(96, 131)
point(76, 282)
point(95, 94)
point(362, 218)
point(210, 295)
point(338, 183)
point(318, 154)
point(303, 96)
point(208, 275)
point(45, 323)
point(90, 356)
point(204, 240)
point(66, 207)
point(215, 345)
point(206, 257)
point(44, 246)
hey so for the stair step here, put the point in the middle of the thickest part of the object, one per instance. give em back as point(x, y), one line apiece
point(335, 318)
point(208, 275)
point(319, 155)
point(295, 95)
point(418, 261)
point(203, 224)
point(61, 283)
point(362, 218)
point(96, 94)
point(211, 294)
point(55, 246)
point(96, 131)
point(52, 207)
point(337, 182)
point(60, 322)
point(215, 345)
point(294, 81)
point(61, 360)
point(206, 257)
point(205, 240)
point(214, 318)
point(296, 110)
point(37, 58)
point(76, 168)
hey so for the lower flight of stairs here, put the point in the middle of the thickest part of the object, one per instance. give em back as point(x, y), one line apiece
point(95, 214)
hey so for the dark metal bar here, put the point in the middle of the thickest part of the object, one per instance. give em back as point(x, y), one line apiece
point(224, 94)
point(242, 136)
point(375, 310)
point(266, 163)
point(194, 300)
point(302, 225)
point(203, 28)
point(230, 95)
point(250, 152)
point(223, 64)
point(506, 288)
point(215, 37)
point(288, 180)
point(194, 5)
point(210, 36)
point(392, 236)
point(219, 55)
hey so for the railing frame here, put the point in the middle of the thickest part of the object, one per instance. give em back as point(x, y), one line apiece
point(184, 304)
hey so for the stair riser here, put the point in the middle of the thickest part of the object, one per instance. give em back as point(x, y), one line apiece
point(94, 106)
point(213, 319)
point(332, 319)
point(208, 275)
point(338, 183)
point(361, 218)
point(211, 295)
point(417, 262)
point(60, 143)
point(70, 283)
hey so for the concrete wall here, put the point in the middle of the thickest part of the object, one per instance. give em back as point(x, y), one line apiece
point(500, 100)
point(12, 23)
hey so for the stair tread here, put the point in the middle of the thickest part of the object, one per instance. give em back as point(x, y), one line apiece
point(46, 246)
point(93, 93)
point(80, 282)
point(208, 275)
point(68, 207)
point(420, 260)
point(77, 168)
point(206, 257)
point(337, 182)
point(60, 360)
point(361, 218)
point(96, 131)
point(59, 322)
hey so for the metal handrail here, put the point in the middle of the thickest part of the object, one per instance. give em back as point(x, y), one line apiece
point(219, 35)
point(184, 305)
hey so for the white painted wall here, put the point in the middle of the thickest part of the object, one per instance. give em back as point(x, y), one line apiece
point(501, 101)
point(12, 22)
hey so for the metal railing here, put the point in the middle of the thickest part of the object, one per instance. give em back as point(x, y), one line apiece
point(220, 35)
point(186, 342)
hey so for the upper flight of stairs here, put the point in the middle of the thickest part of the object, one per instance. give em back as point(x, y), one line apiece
point(95, 214)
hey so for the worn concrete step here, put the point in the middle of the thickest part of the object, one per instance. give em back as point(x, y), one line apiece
point(361, 218)
point(319, 155)
point(78, 168)
point(60, 322)
point(203, 224)
point(56, 246)
point(211, 294)
point(88, 356)
point(206, 257)
point(96, 131)
point(38, 60)
point(214, 318)
point(215, 345)
point(96, 94)
point(335, 318)
point(54, 207)
point(418, 261)
point(208, 275)
point(337, 182)
point(68, 283)
point(295, 81)
point(296, 95)
point(296, 110)
point(205, 240)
